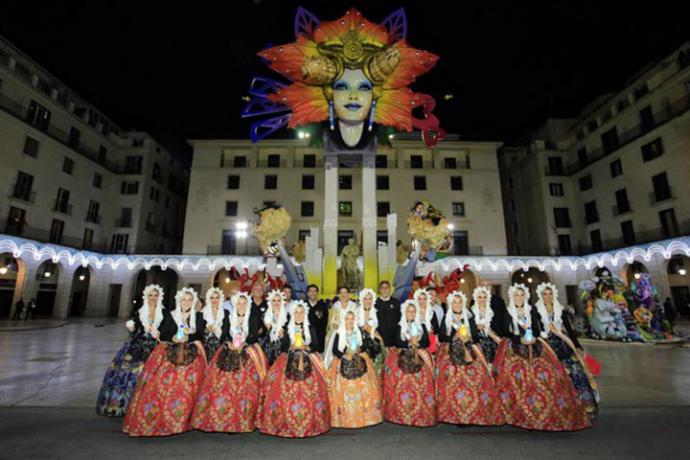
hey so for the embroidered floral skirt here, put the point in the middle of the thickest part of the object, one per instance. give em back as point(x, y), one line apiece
point(295, 397)
point(121, 377)
point(409, 392)
point(535, 390)
point(167, 390)
point(231, 391)
point(466, 392)
point(355, 393)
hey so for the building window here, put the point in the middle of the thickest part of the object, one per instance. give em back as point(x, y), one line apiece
point(591, 214)
point(450, 163)
point(383, 208)
point(564, 248)
point(459, 208)
point(310, 161)
point(556, 189)
point(97, 180)
point(582, 156)
point(662, 190)
point(456, 183)
point(129, 188)
point(419, 182)
point(233, 182)
point(68, 166)
point(307, 209)
point(167, 202)
point(562, 217)
point(595, 238)
point(555, 166)
point(382, 183)
point(62, 202)
point(646, 119)
point(622, 204)
point(345, 182)
point(271, 182)
point(92, 212)
point(269, 204)
point(133, 164)
point(274, 161)
point(87, 241)
point(382, 236)
point(307, 182)
point(461, 243)
point(231, 208)
point(586, 182)
point(56, 229)
point(38, 116)
point(610, 140)
point(628, 232)
point(381, 161)
point(31, 147)
point(345, 208)
point(303, 234)
point(669, 225)
point(154, 194)
point(157, 172)
point(102, 154)
point(239, 162)
point(23, 186)
point(416, 162)
point(616, 168)
point(118, 244)
point(652, 150)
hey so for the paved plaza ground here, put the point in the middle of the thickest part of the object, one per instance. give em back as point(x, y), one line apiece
point(50, 374)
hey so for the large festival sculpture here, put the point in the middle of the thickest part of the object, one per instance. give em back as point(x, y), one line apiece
point(349, 77)
point(351, 73)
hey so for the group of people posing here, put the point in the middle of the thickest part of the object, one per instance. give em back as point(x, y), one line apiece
point(295, 368)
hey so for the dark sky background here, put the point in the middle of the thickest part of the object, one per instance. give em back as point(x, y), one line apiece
point(179, 71)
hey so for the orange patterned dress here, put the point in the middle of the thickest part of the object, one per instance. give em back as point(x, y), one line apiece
point(354, 393)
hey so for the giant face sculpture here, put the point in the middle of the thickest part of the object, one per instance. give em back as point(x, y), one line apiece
point(350, 72)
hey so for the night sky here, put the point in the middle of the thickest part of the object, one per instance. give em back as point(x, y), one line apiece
point(179, 71)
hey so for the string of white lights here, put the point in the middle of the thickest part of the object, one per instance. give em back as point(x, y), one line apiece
point(20, 247)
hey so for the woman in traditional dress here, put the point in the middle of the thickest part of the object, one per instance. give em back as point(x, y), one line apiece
point(230, 394)
point(466, 392)
point(295, 394)
point(354, 393)
point(216, 318)
point(335, 317)
point(165, 395)
point(558, 333)
point(121, 377)
point(409, 393)
point(367, 321)
point(485, 320)
point(428, 318)
point(533, 385)
point(274, 320)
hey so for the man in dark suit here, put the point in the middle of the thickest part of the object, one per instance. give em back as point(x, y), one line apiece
point(318, 315)
point(388, 313)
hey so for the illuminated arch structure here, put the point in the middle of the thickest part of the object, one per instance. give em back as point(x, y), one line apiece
point(199, 269)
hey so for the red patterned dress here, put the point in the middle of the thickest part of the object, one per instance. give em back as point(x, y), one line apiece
point(295, 396)
point(535, 389)
point(231, 392)
point(409, 392)
point(166, 392)
point(466, 391)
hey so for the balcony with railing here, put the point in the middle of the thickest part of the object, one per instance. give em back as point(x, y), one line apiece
point(62, 207)
point(672, 110)
point(93, 217)
point(619, 210)
point(22, 194)
point(661, 195)
point(123, 222)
